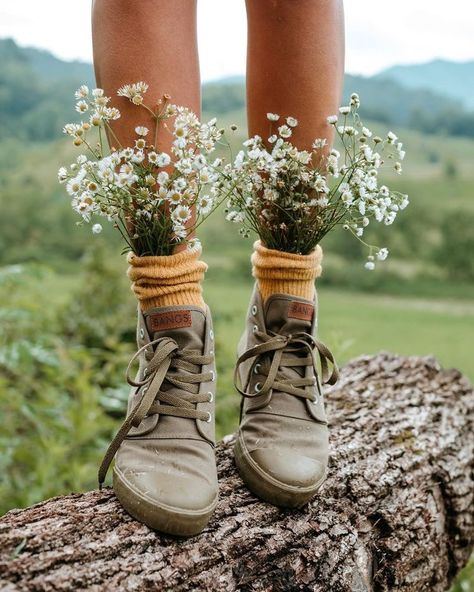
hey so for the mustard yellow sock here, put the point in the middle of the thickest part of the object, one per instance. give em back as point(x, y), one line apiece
point(167, 280)
point(277, 272)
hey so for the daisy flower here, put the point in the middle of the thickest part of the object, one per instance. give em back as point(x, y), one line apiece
point(174, 197)
point(181, 214)
point(163, 159)
point(204, 205)
point(162, 178)
point(141, 130)
point(82, 92)
point(284, 131)
point(62, 174)
point(82, 106)
point(194, 245)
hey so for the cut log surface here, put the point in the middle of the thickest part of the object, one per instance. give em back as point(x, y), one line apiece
point(396, 512)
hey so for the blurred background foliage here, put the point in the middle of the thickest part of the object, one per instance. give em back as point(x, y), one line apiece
point(67, 312)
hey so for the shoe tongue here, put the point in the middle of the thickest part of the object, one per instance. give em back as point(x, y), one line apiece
point(286, 314)
point(185, 324)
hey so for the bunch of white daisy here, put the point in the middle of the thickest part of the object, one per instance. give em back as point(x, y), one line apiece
point(292, 198)
point(155, 199)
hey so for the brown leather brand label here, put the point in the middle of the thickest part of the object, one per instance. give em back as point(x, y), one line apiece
point(176, 319)
point(299, 310)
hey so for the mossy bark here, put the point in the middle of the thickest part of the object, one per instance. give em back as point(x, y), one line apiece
point(396, 513)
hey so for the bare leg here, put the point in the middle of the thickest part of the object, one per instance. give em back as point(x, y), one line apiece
point(295, 64)
point(294, 67)
point(155, 41)
point(150, 40)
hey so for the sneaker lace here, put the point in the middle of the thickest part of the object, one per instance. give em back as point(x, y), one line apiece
point(275, 352)
point(169, 386)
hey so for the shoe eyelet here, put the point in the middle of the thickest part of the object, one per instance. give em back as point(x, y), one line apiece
point(211, 334)
point(258, 387)
point(142, 333)
point(256, 368)
point(213, 375)
point(254, 309)
point(211, 397)
point(145, 372)
point(144, 390)
point(209, 418)
point(255, 328)
point(211, 352)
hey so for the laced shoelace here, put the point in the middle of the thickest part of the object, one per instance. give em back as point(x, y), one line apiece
point(287, 351)
point(178, 368)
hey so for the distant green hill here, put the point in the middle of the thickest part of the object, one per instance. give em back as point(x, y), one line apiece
point(36, 91)
point(451, 79)
point(52, 69)
point(383, 100)
point(36, 97)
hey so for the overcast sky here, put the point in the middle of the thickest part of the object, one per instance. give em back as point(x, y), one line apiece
point(379, 33)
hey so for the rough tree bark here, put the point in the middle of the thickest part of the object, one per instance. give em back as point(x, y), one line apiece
point(396, 512)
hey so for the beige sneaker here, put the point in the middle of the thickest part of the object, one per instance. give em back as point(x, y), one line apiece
point(165, 471)
point(282, 445)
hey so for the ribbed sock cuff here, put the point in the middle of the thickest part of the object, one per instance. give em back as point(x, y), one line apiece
point(167, 280)
point(278, 272)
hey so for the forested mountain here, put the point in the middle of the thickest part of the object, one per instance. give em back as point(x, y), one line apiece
point(36, 97)
point(383, 100)
point(451, 79)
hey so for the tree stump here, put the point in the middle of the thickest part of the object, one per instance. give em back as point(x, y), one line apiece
point(396, 513)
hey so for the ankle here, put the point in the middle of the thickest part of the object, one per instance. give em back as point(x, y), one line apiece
point(171, 280)
point(278, 272)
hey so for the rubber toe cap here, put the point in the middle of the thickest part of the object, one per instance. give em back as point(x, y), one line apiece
point(289, 468)
point(187, 494)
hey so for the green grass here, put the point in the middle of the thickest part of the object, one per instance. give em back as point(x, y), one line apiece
point(358, 324)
